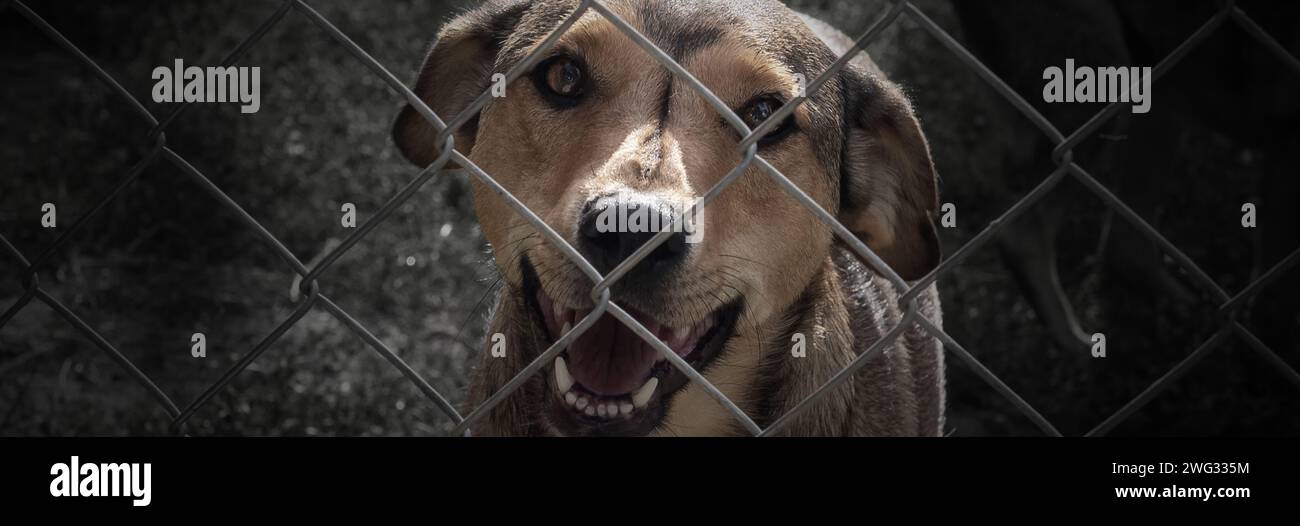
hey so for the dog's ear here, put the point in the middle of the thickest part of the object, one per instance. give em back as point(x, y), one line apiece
point(457, 69)
point(888, 193)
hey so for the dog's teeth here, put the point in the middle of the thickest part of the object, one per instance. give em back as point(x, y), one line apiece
point(601, 410)
point(612, 409)
point(591, 410)
point(570, 398)
point(563, 381)
point(582, 403)
point(645, 392)
point(625, 408)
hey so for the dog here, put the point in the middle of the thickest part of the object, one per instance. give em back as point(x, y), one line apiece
point(599, 124)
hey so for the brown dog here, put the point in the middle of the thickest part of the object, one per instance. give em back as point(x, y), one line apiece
point(598, 126)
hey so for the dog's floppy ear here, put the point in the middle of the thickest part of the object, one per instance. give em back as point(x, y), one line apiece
point(888, 194)
point(457, 69)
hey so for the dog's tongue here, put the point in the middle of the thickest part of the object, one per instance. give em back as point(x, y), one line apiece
point(609, 359)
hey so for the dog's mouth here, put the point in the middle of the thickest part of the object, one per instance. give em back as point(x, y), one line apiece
point(610, 381)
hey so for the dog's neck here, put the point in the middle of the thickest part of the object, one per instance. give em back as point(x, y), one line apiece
point(838, 317)
point(821, 321)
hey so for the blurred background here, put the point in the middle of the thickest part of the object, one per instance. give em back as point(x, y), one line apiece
point(165, 260)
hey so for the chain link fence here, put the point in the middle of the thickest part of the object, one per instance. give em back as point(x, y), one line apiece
point(308, 294)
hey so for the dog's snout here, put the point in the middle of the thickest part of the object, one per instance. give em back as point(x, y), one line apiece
point(613, 227)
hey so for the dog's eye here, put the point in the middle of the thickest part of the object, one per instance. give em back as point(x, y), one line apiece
point(561, 79)
point(759, 110)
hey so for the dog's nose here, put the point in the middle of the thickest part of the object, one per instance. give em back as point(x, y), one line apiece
point(613, 227)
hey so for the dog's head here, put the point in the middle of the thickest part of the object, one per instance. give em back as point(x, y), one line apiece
point(608, 146)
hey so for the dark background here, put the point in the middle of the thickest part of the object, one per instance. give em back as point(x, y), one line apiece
point(165, 260)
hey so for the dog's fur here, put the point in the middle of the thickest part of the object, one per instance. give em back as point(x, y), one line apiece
point(857, 150)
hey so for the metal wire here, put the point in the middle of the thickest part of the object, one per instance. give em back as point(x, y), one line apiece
point(309, 283)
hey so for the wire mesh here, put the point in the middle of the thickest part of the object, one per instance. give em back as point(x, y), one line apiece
point(309, 296)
